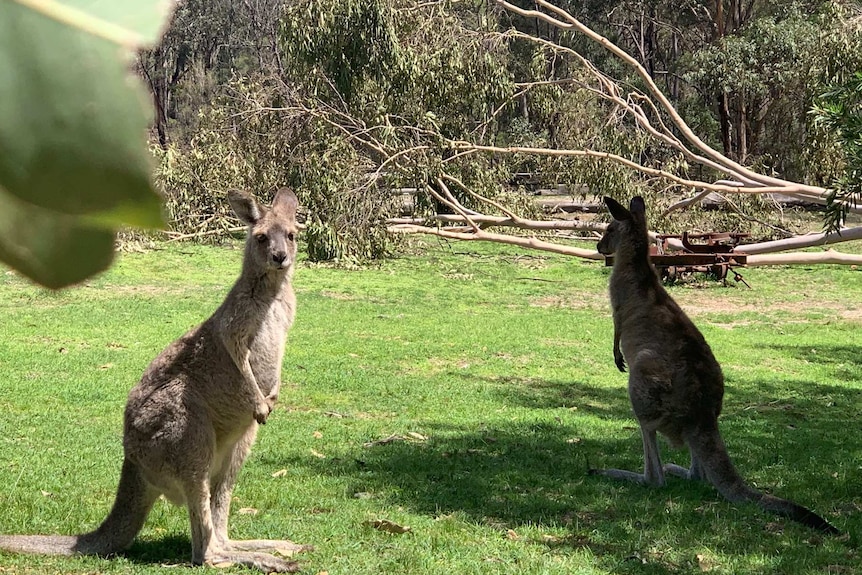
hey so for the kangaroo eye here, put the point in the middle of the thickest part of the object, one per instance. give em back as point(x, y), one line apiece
point(290, 236)
point(261, 238)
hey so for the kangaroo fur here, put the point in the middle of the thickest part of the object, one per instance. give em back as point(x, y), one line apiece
point(675, 383)
point(190, 422)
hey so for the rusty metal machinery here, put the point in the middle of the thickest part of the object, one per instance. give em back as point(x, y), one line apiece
point(712, 254)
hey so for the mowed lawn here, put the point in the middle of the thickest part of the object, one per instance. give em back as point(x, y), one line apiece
point(457, 392)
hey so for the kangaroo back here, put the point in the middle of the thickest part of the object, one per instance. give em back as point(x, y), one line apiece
point(676, 385)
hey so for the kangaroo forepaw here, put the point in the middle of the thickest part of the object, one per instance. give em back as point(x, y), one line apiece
point(262, 411)
point(620, 361)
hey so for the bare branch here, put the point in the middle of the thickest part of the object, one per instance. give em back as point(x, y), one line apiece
point(804, 258)
point(450, 201)
point(482, 220)
point(787, 188)
point(480, 235)
point(805, 241)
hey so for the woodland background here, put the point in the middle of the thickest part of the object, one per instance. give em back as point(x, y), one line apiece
point(348, 100)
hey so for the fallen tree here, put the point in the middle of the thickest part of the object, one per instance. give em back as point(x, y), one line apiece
point(655, 116)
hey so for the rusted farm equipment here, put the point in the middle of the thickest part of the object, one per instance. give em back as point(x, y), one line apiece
point(713, 255)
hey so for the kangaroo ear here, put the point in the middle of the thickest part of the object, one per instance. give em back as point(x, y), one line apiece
point(245, 206)
point(285, 203)
point(638, 207)
point(617, 210)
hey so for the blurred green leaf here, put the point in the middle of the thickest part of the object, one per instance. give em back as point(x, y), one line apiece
point(55, 249)
point(73, 123)
point(145, 18)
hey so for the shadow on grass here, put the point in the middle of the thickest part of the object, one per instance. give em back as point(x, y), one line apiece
point(168, 550)
point(845, 360)
point(601, 402)
point(508, 473)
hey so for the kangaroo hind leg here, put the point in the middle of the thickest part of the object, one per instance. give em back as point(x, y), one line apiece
point(222, 486)
point(206, 549)
point(693, 473)
point(653, 473)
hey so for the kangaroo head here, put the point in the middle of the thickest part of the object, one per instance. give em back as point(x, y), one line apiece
point(628, 225)
point(271, 242)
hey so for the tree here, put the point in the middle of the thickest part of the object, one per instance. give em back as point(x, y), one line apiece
point(455, 100)
point(653, 114)
point(839, 111)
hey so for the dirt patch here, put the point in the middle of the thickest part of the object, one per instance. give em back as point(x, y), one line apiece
point(530, 262)
point(338, 295)
point(696, 304)
point(573, 301)
point(134, 290)
point(706, 302)
point(853, 314)
point(699, 304)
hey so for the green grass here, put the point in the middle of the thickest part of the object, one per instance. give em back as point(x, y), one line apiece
point(494, 369)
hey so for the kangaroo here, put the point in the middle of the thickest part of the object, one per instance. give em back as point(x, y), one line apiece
point(675, 383)
point(190, 422)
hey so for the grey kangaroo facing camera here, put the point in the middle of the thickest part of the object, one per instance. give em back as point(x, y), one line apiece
point(191, 421)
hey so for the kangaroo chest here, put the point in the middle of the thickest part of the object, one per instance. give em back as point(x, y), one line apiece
point(266, 344)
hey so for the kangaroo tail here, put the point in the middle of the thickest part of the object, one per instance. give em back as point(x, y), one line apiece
point(710, 450)
point(39, 544)
point(135, 498)
point(797, 513)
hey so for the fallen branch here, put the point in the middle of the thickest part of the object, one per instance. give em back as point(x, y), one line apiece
point(178, 237)
point(803, 258)
point(804, 241)
point(481, 235)
point(502, 221)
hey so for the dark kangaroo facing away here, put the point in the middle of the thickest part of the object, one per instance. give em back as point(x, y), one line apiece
point(675, 383)
point(190, 422)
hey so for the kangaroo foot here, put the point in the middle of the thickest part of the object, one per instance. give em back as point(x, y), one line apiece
point(680, 471)
point(282, 547)
point(632, 476)
point(261, 561)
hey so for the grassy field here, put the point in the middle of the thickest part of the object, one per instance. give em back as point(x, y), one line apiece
point(458, 390)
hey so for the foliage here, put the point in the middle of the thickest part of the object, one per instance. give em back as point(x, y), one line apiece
point(350, 100)
point(240, 145)
point(74, 167)
point(839, 111)
point(338, 106)
point(350, 42)
point(489, 372)
point(836, 115)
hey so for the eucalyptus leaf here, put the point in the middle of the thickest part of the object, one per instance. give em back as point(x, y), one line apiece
point(74, 164)
point(54, 249)
point(144, 18)
point(72, 121)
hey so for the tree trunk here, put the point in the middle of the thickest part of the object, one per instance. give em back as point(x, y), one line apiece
point(798, 242)
point(742, 129)
point(725, 123)
point(651, 41)
point(804, 258)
